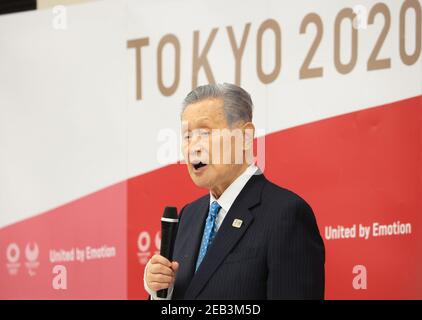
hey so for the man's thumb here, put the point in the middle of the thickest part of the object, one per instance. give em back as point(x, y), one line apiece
point(175, 266)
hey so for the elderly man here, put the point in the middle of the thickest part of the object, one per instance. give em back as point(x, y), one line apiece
point(248, 238)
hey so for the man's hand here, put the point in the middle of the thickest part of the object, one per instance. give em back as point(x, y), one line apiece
point(161, 273)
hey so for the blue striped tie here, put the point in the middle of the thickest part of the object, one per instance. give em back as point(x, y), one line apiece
point(209, 232)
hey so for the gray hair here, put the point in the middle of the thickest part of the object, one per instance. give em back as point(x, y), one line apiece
point(237, 101)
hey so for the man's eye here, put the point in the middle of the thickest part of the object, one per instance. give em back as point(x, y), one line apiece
point(205, 133)
point(186, 135)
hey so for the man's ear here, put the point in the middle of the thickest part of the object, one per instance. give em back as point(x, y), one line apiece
point(249, 134)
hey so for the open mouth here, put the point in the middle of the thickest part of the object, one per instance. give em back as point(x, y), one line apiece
point(198, 165)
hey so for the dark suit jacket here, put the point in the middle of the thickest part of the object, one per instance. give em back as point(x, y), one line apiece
point(277, 253)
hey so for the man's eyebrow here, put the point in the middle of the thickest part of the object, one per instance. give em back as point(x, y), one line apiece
point(200, 122)
point(203, 119)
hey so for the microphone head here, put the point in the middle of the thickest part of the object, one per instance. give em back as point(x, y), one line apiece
point(170, 213)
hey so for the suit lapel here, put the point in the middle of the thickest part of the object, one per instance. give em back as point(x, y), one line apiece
point(227, 235)
point(186, 250)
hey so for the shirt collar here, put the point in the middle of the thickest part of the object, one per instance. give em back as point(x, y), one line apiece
point(230, 194)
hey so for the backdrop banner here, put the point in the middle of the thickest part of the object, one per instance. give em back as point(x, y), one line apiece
point(90, 103)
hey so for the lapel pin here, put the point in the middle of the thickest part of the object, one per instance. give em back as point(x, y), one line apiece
point(237, 223)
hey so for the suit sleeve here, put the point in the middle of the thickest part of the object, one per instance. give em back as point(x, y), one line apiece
point(296, 255)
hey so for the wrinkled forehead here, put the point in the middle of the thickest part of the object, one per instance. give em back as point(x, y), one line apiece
point(197, 123)
point(204, 114)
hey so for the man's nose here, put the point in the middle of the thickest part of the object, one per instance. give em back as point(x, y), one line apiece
point(195, 148)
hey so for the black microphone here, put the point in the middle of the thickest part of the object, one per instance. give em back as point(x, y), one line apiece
point(169, 224)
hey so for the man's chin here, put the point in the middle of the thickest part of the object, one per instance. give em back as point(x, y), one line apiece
point(200, 181)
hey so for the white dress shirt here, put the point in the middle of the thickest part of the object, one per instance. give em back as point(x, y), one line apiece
point(225, 201)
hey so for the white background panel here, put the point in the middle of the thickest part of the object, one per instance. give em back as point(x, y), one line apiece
point(70, 123)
